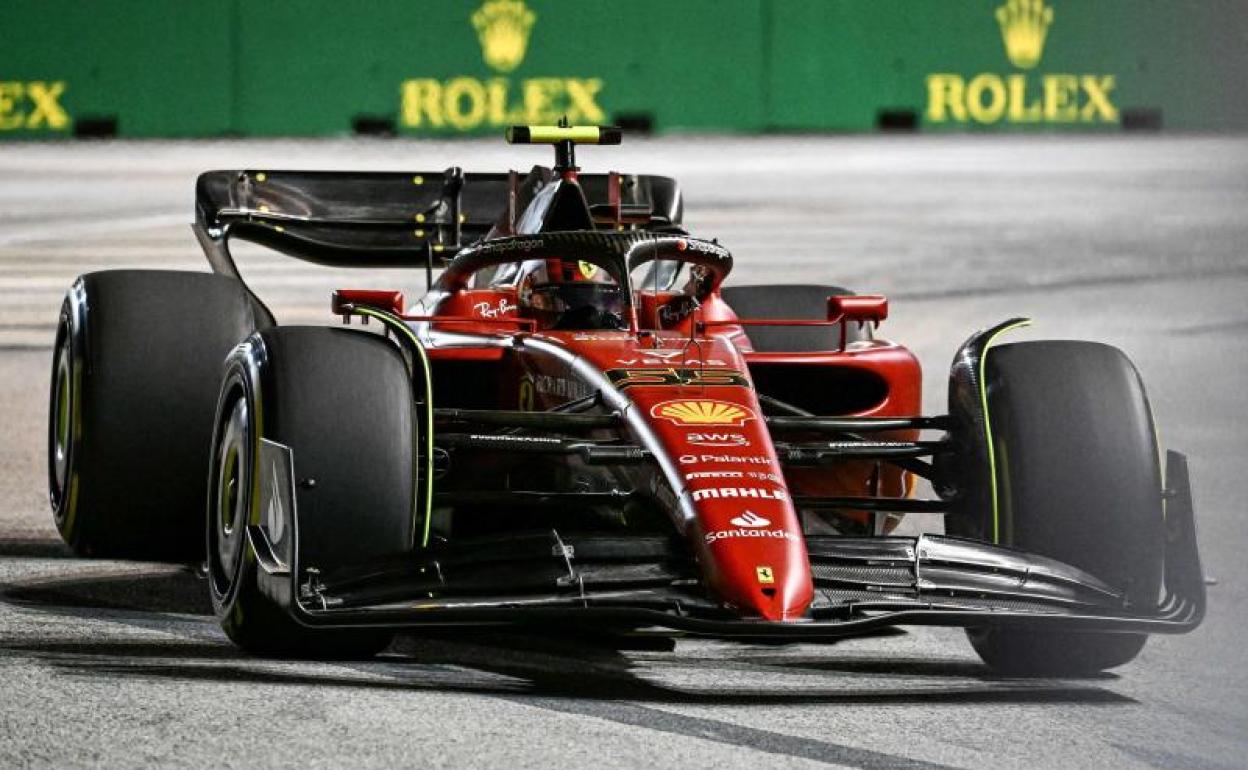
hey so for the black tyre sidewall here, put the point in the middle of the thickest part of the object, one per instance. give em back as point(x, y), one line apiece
point(283, 375)
point(1078, 480)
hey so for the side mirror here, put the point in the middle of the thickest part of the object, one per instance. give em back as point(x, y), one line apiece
point(862, 308)
point(391, 301)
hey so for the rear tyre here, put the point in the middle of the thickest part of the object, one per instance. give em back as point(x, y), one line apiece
point(134, 378)
point(341, 401)
point(1079, 480)
point(796, 301)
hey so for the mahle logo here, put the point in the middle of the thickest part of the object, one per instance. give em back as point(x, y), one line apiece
point(503, 29)
point(989, 98)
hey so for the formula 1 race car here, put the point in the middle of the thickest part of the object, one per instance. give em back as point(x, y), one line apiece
point(582, 427)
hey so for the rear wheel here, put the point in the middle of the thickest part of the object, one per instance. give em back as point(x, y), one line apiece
point(134, 378)
point(340, 400)
point(1078, 479)
point(796, 301)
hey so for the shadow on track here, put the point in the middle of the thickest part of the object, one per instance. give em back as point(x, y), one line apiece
point(171, 588)
point(560, 670)
point(34, 547)
point(565, 668)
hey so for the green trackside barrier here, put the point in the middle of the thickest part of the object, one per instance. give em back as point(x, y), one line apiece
point(134, 67)
point(474, 66)
point(470, 67)
point(1008, 64)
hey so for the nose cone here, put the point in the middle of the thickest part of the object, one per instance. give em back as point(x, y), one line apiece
point(758, 566)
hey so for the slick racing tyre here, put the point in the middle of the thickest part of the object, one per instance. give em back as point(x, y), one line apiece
point(135, 369)
point(340, 400)
point(1079, 480)
point(796, 302)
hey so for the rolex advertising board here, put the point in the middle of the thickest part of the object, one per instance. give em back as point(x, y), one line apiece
point(470, 67)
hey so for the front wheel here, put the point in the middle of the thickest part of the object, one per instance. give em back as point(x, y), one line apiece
point(1078, 479)
point(341, 402)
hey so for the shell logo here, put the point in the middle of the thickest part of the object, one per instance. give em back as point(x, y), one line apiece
point(702, 412)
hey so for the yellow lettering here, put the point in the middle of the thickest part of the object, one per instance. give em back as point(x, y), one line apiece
point(991, 111)
point(944, 96)
point(1098, 104)
point(422, 99)
point(1020, 110)
point(1060, 97)
point(581, 104)
point(460, 92)
point(496, 101)
point(10, 117)
point(47, 105)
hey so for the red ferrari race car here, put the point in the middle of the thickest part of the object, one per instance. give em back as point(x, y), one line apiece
point(584, 426)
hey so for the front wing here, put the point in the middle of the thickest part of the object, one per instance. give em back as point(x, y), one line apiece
point(630, 583)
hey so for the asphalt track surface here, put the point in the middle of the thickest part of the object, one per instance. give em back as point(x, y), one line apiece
point(1139, 242)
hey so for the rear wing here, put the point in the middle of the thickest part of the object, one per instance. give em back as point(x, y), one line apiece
point(392, 219)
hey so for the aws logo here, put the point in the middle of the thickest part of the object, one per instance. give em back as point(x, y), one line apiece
point(466, 103)
point(1018, 97)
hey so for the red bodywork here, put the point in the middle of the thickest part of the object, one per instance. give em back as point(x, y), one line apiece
point(684, 385)
point(689, 395)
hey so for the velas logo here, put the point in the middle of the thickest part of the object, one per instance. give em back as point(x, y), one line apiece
point(1019, 98)
point(702, 412)
point(749, 519)
point(503, 28)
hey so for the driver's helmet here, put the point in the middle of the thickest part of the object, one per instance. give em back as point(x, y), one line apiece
point(570, 294)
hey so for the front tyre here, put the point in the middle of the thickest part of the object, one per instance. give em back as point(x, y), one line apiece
point(341, 401)
point(1078, 479)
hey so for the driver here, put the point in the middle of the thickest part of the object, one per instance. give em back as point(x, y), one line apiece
point(568, 294)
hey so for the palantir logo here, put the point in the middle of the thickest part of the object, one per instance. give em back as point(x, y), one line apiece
point(749, 519)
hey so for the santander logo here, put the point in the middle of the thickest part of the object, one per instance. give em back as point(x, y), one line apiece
point(749, 519)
